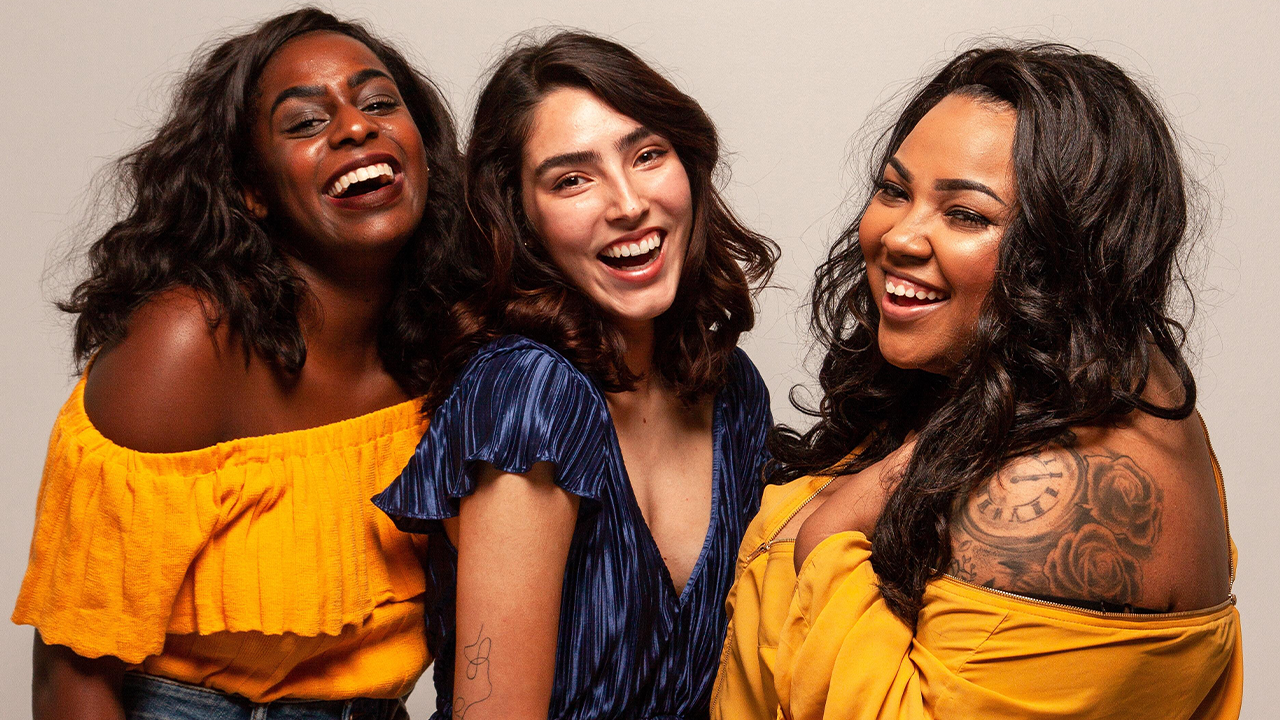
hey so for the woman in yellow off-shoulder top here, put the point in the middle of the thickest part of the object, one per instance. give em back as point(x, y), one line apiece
point(259, 324)
point(1009, 507)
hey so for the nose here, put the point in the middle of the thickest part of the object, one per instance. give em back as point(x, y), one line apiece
point(908, 239)
point(351, 126)
point(628, 203)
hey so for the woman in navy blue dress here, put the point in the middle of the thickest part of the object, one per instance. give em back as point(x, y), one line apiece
point(589, 478)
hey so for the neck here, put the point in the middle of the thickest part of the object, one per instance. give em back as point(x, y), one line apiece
point(341, 318)
point(638, 337)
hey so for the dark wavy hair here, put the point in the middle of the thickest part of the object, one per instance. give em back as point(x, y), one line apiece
point(527, 294)
point(185, 222)
point(1087, 272)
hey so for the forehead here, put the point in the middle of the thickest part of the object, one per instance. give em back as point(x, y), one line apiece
point(962, 138)
point(316, 58)
point(571, 119)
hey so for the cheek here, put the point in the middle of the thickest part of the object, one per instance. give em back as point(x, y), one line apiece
point(565, 228)
point(973, 270)
point(671, 191)
point(876, 221)
point(291, 174)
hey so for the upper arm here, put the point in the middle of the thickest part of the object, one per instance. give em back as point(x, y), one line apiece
point(1119, 520)
point(160, 388)
point(514, 533)
point(64, 684)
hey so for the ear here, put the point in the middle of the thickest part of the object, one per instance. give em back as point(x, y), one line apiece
point(253, 200)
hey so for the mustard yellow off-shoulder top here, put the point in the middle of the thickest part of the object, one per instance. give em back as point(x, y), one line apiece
point(825, 644)
point(257, 566)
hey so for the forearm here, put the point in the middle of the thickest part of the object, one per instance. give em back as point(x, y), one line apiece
point(66, 686)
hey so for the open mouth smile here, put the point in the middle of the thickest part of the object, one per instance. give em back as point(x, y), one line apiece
point(633, 255)
point(905, 293)
point(362, 180)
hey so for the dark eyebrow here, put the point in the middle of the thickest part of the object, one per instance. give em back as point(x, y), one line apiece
point(622, 144)
point(297, 91)
point(945, 185)
point(893, 162)
point(625, 142)
point(308, 91)
point(573, 158)
point(365, 76)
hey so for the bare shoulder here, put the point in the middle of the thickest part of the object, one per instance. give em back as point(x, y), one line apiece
point(1127, 515)
point(159, 389)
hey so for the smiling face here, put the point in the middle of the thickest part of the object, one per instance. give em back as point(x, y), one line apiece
point(931, 233)
point(343, 165)
point(610, 202)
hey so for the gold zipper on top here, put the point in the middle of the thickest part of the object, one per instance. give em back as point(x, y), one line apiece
point(774, 537)
point(729, 638)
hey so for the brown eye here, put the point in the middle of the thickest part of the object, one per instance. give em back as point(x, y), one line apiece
point(381, 105)
point(969, 218)
point(304, 125)
point(568, 182)
point(649, 156)
point(891, 190)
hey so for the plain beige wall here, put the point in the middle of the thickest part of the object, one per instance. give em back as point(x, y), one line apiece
point(789, 85)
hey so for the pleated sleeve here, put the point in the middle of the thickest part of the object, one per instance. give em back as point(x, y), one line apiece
point(515, 404)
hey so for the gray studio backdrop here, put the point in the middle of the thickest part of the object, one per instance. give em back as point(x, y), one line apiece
point(789, 85)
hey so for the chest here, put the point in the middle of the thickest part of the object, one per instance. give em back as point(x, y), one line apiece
point(668, 455)
point(261, 402)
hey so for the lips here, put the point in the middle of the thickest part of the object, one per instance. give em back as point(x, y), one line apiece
point(362, 180)
point(365, 182)
point(634, 251)
point(906, 299)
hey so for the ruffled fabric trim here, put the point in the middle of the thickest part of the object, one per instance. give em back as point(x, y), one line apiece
point(517, 403)
point(271, 534)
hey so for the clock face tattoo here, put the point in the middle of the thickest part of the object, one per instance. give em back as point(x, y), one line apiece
point(1034, 496)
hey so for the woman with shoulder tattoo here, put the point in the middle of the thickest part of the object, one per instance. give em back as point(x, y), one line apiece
point(257, 328)
point(586, 484)
point(1009, 506)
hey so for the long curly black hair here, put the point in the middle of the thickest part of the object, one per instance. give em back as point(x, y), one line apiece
point(1081, 303)
point(185, 222)
point(527, 294)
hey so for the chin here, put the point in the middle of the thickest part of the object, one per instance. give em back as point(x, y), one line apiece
point(905, 358)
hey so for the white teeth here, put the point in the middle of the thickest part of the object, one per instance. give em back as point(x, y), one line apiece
point(360, 174)
point(911, 292)
point(622, 250)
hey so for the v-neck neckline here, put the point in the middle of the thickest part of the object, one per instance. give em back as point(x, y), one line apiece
point(633, 504)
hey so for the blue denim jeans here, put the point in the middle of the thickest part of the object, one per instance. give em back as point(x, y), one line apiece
point(147, 697)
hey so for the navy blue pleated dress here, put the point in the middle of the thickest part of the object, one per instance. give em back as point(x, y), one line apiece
point(629, 646)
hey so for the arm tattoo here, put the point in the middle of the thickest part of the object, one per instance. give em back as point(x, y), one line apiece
point(477, 655)
point(1062, 524)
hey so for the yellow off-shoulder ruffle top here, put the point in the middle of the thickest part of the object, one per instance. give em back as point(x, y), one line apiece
point(825, 644)
point(257, 566)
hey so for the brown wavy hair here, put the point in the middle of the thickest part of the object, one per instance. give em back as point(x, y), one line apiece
point(1080, 309)
point(527, 294)
point(184, 221)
